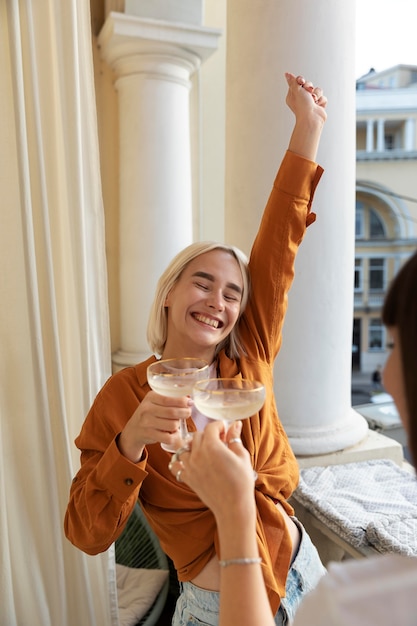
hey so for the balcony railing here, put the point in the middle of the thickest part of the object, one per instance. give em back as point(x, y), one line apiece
point(368, 300)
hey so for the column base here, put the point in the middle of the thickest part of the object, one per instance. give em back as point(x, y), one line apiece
point(122, 359)
point(328, 438)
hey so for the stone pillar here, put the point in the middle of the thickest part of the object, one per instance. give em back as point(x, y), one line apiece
point(313, 370)
point(152, 61)
point(410, 132)
point(380, 140)
point(370, 136)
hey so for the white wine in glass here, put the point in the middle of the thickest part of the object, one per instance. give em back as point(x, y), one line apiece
point(228, 399)
point(175, 378)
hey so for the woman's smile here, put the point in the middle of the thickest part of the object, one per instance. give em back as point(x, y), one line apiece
point(209, 321)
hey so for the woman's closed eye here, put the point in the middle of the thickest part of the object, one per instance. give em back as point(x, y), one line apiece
point(232, 297)
point(202, 286)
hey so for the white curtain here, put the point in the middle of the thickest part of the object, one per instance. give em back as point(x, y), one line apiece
point(55, 350)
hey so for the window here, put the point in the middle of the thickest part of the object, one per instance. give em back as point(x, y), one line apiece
point(358, 275)
point(359, 222)
point(369, 223)
point(376, 226)
point(389, 141)
point(376, 274)
point(376, 334)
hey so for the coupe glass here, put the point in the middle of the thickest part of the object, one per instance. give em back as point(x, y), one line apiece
point(228, 399)
point(175, 378)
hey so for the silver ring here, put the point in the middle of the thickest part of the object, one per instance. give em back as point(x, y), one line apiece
point(235, 440)
point(177, 454)
point(178, 475)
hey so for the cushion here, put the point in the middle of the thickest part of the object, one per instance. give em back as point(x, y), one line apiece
point(366, 503)
point(137, 590)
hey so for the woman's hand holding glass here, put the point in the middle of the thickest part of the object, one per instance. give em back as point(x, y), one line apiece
point(156, 419)
point(226, 400)
point(175, 378)
point(218, 463)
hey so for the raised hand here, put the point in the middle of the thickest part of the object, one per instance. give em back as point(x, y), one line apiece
point(308, 103)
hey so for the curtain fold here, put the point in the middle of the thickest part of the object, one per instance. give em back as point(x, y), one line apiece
point(54, 324)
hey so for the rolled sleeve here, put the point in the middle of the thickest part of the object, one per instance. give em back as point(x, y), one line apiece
point(118, 475)
point(299, 177)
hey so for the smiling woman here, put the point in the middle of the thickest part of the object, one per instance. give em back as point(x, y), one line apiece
point(210, 303)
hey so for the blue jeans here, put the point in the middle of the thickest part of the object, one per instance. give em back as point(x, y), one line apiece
point(198, 607)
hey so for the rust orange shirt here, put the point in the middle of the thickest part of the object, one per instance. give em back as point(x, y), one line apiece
point(107, 485)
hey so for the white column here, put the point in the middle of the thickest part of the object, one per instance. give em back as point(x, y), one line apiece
point(410, 131)
point(370, 135)
point(380, 141)
point(152, 61)
point(313, 370)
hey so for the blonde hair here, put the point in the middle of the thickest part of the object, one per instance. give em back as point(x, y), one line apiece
point(158, 317)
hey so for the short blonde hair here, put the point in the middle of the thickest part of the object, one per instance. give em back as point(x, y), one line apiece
point(158, 318)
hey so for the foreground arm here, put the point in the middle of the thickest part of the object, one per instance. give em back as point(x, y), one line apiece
point(222, 476)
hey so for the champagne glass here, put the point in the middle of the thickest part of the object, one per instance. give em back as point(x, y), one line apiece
point(228, 399)
point(175, 378)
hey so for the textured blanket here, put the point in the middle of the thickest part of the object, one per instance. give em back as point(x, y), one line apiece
point(367, 503)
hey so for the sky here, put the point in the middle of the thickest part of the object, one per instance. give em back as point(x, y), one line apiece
point(386, 34)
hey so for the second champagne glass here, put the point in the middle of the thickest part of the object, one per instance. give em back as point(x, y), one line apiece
point(228, 399)
point(176, 378)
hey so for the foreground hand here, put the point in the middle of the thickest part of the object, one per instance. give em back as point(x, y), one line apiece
point(218, 468)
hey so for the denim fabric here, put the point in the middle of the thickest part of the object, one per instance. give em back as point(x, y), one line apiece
point(198, 607)
point(304, 574)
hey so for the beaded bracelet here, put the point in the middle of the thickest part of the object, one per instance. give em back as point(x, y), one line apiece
point(239, 562)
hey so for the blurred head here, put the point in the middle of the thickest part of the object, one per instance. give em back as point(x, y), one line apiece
point(158, 318)
point(400, 373)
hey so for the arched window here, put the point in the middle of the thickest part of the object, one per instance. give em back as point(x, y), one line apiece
point(369, 224)
point(376, 226)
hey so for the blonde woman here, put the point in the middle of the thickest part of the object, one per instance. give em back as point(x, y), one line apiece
point(212, 304)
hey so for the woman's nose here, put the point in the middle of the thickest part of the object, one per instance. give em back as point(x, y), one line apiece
point(215, 301)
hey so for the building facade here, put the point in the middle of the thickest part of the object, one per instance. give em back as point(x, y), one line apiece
point(386, 200)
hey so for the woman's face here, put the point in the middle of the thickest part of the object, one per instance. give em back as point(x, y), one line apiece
point(393, 378)
point(204, 305)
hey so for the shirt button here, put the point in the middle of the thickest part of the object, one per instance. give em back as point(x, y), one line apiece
point(128, 481)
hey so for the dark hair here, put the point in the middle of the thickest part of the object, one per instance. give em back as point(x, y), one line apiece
point(400, 310)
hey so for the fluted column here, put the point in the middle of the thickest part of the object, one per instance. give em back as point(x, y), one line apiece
point(153, 61)
point(313, 370)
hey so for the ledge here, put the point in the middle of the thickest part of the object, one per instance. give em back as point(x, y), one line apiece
point(374, 446)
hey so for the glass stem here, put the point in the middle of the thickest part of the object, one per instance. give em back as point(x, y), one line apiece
point(184, 430)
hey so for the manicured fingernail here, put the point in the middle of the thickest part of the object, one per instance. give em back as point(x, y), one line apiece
point(238, 427)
